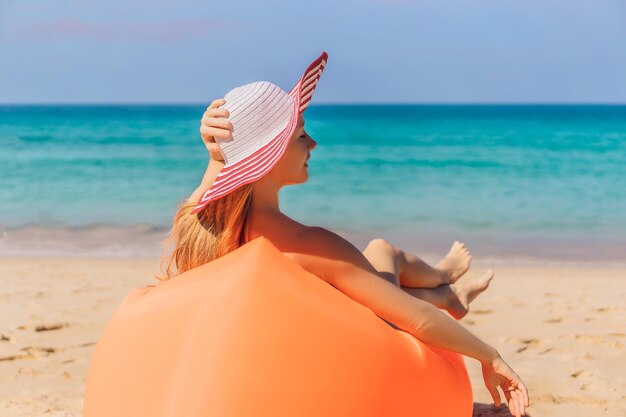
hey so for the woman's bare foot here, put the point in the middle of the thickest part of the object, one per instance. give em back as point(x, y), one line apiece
point(455, 263)
point(463, 292)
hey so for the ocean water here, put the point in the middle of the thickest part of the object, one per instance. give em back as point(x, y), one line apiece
point(541, 173)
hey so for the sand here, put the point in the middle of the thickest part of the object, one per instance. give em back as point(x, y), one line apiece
point(561, 327)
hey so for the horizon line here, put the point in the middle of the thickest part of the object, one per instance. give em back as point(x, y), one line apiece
point(415, 103)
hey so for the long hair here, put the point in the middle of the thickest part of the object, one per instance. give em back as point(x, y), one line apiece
point(196, 239)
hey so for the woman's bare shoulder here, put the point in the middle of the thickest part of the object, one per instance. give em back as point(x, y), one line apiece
point(316, 249)
point(322, 252)
point(320, 240)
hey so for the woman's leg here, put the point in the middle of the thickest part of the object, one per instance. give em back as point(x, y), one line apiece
point(393, 264)
point(412, 271)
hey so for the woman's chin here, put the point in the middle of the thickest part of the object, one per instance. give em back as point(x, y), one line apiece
point(304, 178)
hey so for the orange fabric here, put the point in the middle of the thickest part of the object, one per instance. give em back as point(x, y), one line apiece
point(254, 334)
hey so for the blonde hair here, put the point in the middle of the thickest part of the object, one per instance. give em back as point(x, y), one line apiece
point(196, 239)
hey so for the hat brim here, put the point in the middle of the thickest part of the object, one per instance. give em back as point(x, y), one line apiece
point(264, 159)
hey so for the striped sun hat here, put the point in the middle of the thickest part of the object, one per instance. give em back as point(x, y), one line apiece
point(264, 117)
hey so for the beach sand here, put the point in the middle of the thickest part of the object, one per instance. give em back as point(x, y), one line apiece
point(562, 328)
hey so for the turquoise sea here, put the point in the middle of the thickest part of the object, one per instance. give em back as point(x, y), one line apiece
point(506, 176)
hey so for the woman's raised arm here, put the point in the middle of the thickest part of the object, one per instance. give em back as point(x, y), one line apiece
point(214, 124)
point(341, 264)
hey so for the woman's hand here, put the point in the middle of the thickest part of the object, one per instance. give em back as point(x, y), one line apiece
point(498, 374)
point(214, 124)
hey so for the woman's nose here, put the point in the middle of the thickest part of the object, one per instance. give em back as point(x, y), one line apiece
point(312, 143)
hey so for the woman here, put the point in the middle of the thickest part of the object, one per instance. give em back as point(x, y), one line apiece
point(410, 292)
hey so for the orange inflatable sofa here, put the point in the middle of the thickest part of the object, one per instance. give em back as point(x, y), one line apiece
point(254, 334)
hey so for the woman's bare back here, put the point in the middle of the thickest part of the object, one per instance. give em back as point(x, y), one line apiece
point(295, 240)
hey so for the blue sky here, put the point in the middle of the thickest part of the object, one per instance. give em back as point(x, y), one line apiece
point(393, 51)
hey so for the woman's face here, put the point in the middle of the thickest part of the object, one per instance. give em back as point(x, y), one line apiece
point(292, 167)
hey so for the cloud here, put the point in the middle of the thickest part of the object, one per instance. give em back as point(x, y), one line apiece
point(73, 29)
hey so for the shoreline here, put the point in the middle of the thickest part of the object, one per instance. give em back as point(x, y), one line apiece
point(143, 241)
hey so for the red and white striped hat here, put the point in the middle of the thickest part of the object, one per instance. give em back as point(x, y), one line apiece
point(264, 117)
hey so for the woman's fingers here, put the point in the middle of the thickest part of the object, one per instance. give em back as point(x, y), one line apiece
point(520, 400)
point(524, 391)
point(495, 394)
point(517, 402)
point(509, 401)
point(210, 133)
point(514, 406)
point(214, 123)
point(520, 403)
point(217, 122)
point(213, 147)
point(216, 103)
point(213, 111)
point(216, 113)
